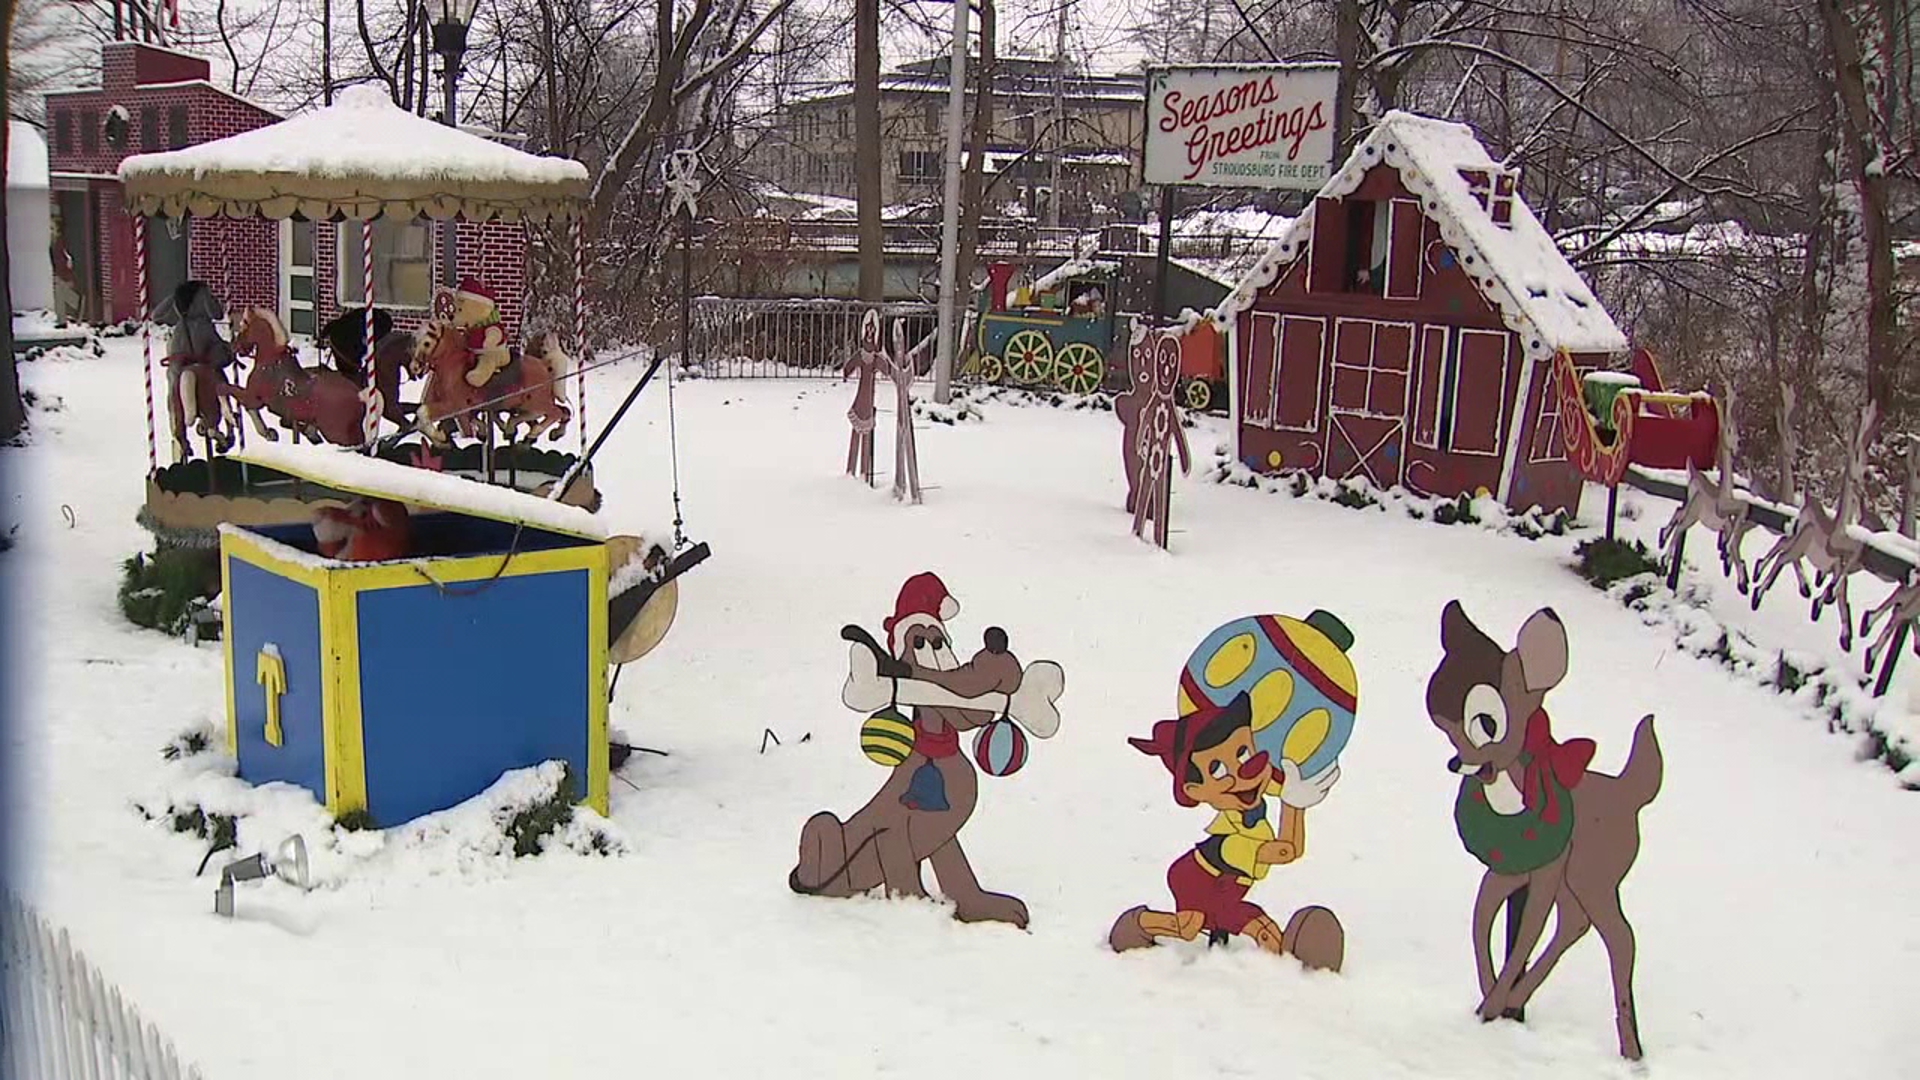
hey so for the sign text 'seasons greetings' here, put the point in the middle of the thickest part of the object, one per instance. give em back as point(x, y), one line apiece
point(1248, 125)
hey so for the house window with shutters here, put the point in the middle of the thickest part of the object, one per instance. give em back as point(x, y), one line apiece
point(176, 127)
point(150, 129)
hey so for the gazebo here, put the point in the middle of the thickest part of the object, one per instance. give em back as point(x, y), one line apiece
point(362, 158)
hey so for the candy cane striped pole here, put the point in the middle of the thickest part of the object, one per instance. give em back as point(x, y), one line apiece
point(370, 394)
point(146, 338)
point(580, 320)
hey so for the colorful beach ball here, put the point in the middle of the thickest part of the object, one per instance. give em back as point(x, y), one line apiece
point(887, 737)
point(1296, 673)
point(1000, 748)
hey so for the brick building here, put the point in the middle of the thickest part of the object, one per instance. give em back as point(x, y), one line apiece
point(152, 99)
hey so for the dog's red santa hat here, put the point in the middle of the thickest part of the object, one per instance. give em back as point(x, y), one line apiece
point(924, 601)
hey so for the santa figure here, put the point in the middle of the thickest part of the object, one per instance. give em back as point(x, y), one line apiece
point(475, 311)
point(366, 530)
point(917, 629)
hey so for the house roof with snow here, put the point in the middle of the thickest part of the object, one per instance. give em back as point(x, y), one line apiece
point(361, 157)
point(360, 474)
point(1517, 266)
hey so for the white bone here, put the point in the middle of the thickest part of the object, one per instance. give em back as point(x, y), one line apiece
point(1031, 706)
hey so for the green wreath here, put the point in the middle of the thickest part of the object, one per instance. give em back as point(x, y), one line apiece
point(1512, 843)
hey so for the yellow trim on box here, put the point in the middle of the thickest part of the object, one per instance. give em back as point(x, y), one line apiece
point(598, 795)
point(249, 549)
point(453, 569)
point(226, 643)
point(340, 726)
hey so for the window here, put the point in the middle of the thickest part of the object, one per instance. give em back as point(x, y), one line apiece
point(176, 127)
point(933, 119)
point(402, 265)
point(89, 131)
point(846, 123)
point(63, 131)
point(149, 129)
point(1366, 269)
point(919, 166)
point(1494, 191)
point(1548, 445)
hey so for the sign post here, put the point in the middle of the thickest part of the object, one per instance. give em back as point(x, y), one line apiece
point(1238, 126)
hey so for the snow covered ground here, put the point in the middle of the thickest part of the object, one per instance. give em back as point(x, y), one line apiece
point(1773, 900)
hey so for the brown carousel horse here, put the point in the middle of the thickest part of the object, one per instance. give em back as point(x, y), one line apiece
point(346, 342)
point(314, 403)
point(524, 394)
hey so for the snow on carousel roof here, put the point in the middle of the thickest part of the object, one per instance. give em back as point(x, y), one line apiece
point(1518, 267)
point(361, 474)
point(360, 157)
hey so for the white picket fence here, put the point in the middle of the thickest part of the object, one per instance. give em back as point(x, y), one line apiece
point(59, 1020)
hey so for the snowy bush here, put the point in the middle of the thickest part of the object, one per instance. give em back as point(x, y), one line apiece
point(1358, 493)
point(1888, 733)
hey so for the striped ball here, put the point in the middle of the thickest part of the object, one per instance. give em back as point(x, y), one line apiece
point(887, 737)
point(1000, 748)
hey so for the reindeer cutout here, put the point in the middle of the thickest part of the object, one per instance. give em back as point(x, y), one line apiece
point(1715, 504)
point(864, 361)
point(1825, 540)
point(900, 364)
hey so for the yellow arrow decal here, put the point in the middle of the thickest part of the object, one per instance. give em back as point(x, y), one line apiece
point(270, 671)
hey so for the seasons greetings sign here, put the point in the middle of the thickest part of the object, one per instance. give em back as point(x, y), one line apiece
point(1251, 125)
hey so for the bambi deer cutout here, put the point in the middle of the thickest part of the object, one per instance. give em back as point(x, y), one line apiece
point(864, 361)
point(1548, 829)
point(1716, 504)
point(1824, 540)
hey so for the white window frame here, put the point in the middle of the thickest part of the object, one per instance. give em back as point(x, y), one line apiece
point(344, 264)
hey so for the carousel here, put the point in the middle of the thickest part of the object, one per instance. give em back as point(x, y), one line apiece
point(484, 408)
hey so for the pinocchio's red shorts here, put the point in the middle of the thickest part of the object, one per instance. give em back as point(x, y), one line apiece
point(1222, 898)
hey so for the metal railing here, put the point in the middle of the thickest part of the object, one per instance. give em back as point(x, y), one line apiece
point(60, 1020)
point(767, 235)
point(772, 339)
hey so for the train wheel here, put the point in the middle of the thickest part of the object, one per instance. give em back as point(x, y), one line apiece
point(1199, 395)
point(1029, 358)
point(1078, 368)
point(989, 369)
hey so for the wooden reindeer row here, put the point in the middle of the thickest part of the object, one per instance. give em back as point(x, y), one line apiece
point(1816, 537)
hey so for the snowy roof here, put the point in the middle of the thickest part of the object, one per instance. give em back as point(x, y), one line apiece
point(360, 157)
point(361, 474)
point(26, 157)
point(1518, 267)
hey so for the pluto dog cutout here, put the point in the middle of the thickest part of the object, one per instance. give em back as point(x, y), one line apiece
point(1266, 705)
point(930, 790)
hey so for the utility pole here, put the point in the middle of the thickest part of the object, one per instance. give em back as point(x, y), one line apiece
point(950, 221)
point(1059, 113)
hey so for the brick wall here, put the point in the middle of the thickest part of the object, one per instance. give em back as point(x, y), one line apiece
point(239, 259)
point(126, 69)
point(493, 251)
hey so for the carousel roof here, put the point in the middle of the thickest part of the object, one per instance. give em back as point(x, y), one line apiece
point(361, 157)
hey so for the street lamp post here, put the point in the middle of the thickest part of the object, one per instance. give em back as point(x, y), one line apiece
point(450, 43)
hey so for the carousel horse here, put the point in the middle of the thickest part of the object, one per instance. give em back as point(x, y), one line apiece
point(197, 362)
point(523, 394)
point(314, 403)
point(346, 341)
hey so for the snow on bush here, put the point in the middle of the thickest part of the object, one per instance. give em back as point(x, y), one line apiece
point(1889, 730)
point(526, 812)
point(1359, 494)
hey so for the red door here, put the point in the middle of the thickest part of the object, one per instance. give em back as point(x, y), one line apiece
point(1367, 429)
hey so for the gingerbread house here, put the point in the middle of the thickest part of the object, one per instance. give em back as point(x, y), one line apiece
point(1404, 327)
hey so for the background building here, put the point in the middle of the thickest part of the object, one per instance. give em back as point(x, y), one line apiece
point(810, 145)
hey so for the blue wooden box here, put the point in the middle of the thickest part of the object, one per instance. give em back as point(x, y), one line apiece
point(401, 688)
